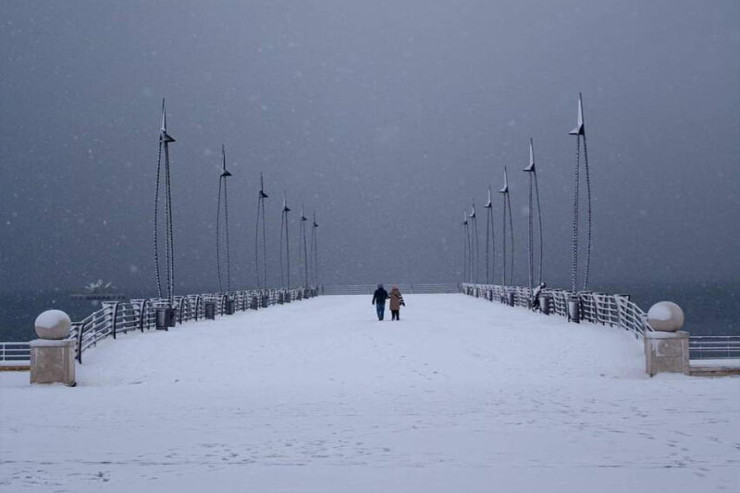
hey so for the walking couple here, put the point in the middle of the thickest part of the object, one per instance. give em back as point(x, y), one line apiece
point(396, 297)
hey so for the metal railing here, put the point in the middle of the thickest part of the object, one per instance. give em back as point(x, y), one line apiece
point(119, 317)
point(615, 310)
point(714, 347)
point(15, 352)
point(116, 318)
point(406, 288)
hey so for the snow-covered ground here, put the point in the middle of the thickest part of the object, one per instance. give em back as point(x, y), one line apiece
point(460, 395)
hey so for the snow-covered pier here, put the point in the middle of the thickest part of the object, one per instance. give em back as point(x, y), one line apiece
point(461, 394)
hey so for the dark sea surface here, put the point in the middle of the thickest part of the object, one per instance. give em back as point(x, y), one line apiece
point(709, 308)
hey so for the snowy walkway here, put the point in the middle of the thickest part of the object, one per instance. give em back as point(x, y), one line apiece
point(461, 395)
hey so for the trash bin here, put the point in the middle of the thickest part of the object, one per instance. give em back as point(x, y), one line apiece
point(210, 310)
point(165, 317)
point(545, 302)
point(230, 306)
point(265, 300)
point(574, 309)
point(510, 298)
point(253, 303)
point(287, 297)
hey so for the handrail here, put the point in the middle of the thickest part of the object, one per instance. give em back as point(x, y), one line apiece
point(15, 351)
point(139, 314)
point(715, 347)
point(615, 310)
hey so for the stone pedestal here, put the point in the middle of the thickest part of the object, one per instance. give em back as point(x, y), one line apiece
point(53, 361)
point(667, 352)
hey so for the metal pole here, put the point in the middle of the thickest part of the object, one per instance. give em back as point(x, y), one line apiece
point(489, 231)
point(305, 247)
point(530, 169)
point(222, 185)
point(262, 283)
point(263, 196)
point(588, 212)
point(164, 140)
point(539, 217)
point(157, 269)
point(284, 244)
point(505, 192)
point(315, 249)
point(257, 244)
point(578, 131)
point(475, 242)
point(226, 227)
point(218, 236)
point(511, 239)
point(287, 245)
point(530, 235)
point(466, 245)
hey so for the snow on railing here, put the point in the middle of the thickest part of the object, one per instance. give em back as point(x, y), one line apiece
point(615, 310)
point(118, 317)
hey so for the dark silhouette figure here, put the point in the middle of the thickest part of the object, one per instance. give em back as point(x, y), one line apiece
point(379, 297)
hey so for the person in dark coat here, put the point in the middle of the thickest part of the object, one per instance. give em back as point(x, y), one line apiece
point(396, 302)
point(379, 297)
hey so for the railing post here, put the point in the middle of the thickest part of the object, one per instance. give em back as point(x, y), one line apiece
point(112, 307)
point(620, 300)
point(79, 342)
point(143, 313)
point(115, 318)
point(198, 301)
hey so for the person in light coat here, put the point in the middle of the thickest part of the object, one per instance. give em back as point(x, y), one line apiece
point(396, 302)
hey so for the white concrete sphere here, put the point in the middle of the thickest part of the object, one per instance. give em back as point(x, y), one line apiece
point(53, 325)
point(665, 316)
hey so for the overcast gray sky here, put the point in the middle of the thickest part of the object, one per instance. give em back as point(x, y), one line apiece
point(387, 117)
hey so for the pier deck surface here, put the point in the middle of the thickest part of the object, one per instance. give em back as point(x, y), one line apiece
point(460, 395)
